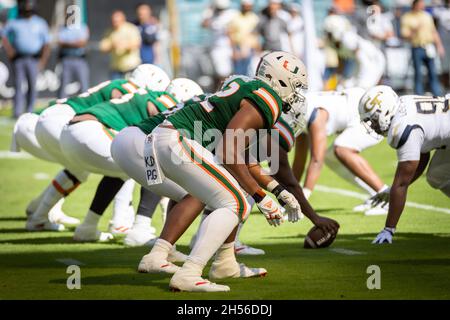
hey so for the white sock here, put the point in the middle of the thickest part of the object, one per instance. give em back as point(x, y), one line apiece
point(161, 248)
point(225, 252)
point(142, 221)
point(91, 219)
point(123, 200)
point(214, 230)
point(52, 195)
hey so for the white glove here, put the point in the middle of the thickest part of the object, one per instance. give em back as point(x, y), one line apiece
point(385, 236)
point(293, 209)
point(270, 209)
point(381, 197)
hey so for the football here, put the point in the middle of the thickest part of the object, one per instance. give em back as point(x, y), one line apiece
point(317, 238)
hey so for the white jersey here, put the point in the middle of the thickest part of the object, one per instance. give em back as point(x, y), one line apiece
point(342, 108)
point(420, 125)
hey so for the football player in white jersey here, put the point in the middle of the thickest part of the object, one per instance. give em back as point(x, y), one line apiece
point(414, 126)
point(330, 113)
point(371, 61)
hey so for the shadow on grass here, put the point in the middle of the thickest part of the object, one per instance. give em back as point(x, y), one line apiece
point(54, 240)
point(132, 278)
point(13, 219)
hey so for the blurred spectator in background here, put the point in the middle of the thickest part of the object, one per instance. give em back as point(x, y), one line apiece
point(26, 42)
point(379, 25)
point(442, 14)
point(243, 38)
point(72, 40)
point(296, 29)
point(338, 59)
point(217, 19)
point(123, 42)
point(370, 61)
point(417, 27)
point(272, 27)
point(149, 28)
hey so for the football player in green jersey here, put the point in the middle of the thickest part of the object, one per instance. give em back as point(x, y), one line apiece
point(177, 157)
point(43, 132)
point(87, 142)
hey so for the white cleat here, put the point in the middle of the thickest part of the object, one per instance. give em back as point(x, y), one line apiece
point(378, 210)
point(152, 264)
point(120, 227)
point(43, 226)
point(140, 236)
point(176, 256)
point(245, 250)
point(57, 216)
point(183, 282)
point(88, 233)
point(363, 207)
point(234, 270)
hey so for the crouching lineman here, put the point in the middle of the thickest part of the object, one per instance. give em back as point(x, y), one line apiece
point(414, 126)
point(86, 140)
point(330, 113)
point(42, 132)
point(175, 163)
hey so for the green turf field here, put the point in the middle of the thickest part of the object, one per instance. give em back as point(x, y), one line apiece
point(416, 266)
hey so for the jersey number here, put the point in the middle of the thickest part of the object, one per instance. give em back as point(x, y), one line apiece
point(231, 89)
point(431, 106)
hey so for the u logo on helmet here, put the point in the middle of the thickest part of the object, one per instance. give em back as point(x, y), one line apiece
point(286, 65)
point(373, 103)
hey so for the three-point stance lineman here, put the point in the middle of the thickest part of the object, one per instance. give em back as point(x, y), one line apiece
point(414, 126)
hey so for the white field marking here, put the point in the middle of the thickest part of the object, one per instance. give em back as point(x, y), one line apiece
point(70, 262)
point(363, 196)
point(347, 251)
point(41, 176)
point(5, 154)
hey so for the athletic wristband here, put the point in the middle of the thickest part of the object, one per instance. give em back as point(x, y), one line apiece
point(258, 196)
point(272, 185)
point(390, 230)
point(275, 188)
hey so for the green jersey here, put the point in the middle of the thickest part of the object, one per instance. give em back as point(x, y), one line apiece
point(130, 109)
point(286, 136)
point(99, 93)
point(216, 111)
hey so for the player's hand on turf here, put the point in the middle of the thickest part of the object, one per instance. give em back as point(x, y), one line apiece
point(385, 236)
point(270, 209)
point(293, 209)
point(327, 224)
point(381, 197)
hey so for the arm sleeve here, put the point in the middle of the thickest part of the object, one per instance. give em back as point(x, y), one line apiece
point(410, 151)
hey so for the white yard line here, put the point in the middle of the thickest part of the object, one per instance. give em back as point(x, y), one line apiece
point(347, 252)
point(5, 154)
point(362, 196)
point(70, 262)
point(41, 176)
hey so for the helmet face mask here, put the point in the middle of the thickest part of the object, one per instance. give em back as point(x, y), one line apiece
point(296, 115)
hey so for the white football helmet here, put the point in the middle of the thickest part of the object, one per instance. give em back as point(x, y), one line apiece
point(150, 77)
point(377, 107)
point(286, 75)
point(184, 89)
point(337, 26)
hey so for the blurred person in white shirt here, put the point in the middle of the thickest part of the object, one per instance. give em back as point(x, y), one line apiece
point(297, 30)
point(217, 18)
